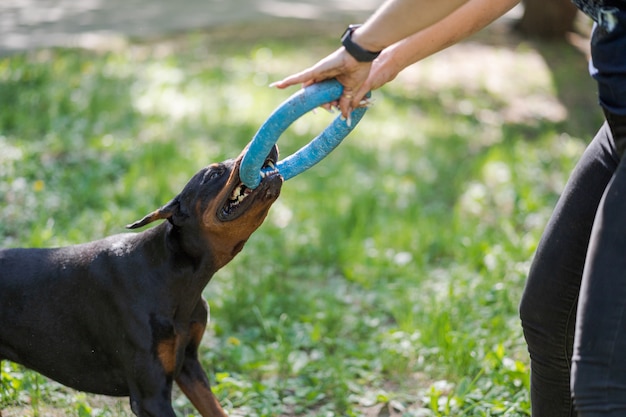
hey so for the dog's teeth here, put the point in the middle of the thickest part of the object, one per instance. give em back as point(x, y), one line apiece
point(271, 165)
point(236, 193)
point(262, 174)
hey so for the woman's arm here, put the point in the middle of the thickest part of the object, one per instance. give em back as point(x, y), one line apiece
point(438, 24)
point(460, 24)
point(397, 19)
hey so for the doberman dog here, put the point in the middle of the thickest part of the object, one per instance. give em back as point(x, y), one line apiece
point(124, 316)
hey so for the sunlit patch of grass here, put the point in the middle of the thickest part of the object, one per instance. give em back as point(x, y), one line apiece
point(385, 280)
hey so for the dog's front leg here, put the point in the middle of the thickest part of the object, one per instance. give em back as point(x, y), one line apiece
point(150, 389)
point(192, 379)
point(195, 384)
point(158, 405)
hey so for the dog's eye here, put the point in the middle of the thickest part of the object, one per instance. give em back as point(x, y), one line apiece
point(213, 173)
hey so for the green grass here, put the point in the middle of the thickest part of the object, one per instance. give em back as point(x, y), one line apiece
point(385, 280)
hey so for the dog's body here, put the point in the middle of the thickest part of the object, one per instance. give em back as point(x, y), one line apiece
point(124, 315)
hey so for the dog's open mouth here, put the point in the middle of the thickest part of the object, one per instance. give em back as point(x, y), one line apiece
point(242, 197)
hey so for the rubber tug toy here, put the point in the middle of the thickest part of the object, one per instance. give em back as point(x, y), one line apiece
point(300, 103)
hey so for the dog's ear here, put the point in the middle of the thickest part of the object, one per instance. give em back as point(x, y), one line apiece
point(164, 212)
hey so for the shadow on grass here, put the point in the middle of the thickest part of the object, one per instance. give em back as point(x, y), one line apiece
point(575, 87)
point(567, 62)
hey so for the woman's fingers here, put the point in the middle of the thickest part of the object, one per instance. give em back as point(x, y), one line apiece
point(350, 73)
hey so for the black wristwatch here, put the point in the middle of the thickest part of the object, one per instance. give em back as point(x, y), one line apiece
point(358, 53)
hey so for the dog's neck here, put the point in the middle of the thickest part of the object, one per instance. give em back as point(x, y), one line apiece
point(190, 248)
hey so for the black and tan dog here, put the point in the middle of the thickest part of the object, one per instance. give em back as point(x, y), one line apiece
point(124, 316)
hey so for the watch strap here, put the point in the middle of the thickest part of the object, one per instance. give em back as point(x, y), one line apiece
point(356, 51)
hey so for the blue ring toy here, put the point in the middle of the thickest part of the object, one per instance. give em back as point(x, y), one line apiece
point(288, 112)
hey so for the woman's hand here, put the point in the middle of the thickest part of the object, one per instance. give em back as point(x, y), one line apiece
point(384, 69)
point(341, 65)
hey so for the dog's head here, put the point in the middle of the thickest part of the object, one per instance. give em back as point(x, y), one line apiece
point(217, 210)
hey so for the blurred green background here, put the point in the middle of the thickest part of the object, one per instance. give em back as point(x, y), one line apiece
point(385, 281)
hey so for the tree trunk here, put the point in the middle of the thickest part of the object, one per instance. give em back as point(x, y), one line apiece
point(547, 18)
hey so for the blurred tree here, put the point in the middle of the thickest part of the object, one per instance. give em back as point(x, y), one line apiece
point(547, 18)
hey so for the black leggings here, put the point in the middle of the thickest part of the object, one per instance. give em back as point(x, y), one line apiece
point(573, 309)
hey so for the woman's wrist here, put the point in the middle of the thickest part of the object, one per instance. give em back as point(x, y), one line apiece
point(355, 49)
point(362, 38)
point(398, 19)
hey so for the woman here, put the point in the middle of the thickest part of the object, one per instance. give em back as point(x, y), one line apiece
point(574, 306)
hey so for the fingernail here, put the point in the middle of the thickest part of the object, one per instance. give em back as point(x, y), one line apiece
point(274, 84)
point(349, 120)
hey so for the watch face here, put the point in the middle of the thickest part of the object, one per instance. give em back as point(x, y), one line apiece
point(349, 30)
point(347, 33)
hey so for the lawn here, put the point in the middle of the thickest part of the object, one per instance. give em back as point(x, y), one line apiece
point(385, 281)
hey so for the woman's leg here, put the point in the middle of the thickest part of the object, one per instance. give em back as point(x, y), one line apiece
point(548, 307)
point(599, 360)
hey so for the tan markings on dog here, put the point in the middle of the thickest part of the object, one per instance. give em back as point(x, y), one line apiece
point(196, 331)
point(228, 240)
point(166, 351)
point(238, 247)
point(201, 397)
